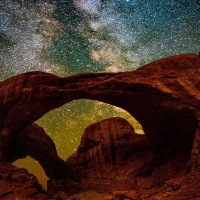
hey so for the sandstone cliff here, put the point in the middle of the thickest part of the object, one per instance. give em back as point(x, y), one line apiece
point(164, 96)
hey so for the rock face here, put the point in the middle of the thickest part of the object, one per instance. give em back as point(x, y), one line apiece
point(107, 150)
point(105, 154)
point(113, 158)
point(164, 96)
point(33, 141)
point(19, 184)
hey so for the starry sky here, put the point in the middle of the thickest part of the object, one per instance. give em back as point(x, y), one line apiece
point(67, 37)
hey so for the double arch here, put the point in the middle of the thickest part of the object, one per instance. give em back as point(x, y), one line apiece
point(160, 105)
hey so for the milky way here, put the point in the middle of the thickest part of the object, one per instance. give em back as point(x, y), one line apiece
point(70, 37)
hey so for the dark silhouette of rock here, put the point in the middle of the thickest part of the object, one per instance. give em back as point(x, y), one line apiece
point(34, 142)
point(164, 96)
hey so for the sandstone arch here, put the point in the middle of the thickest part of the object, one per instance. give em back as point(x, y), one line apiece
point(34, 142)
point(163, 96)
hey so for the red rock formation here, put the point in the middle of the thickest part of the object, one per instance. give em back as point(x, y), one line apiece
point(105, 154)
point(164, 96)
point(112, 159)
point(33, 141)
point(17, 183)
point(165, 90)
point(108, 148)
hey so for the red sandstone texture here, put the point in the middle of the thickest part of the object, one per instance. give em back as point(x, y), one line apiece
point(164, 96)
point(107, 150)
point(17, 183)
point(113, 158)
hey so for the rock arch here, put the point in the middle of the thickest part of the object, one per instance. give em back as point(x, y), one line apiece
point(34, 142)
point(164, 96)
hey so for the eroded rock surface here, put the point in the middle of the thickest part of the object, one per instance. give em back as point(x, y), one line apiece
point(164, 96)
point(17, 183)
point(113, 158)
point(107, 150)
point(104, 156)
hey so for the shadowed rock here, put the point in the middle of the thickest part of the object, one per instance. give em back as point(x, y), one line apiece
point(17, 183)
point(107, 146)
point(112, 158)
point(106, 152)
point(34, 142)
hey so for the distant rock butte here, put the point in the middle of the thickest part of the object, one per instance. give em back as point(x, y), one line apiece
point(164, 96)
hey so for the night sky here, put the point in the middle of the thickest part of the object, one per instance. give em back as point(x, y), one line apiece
point(68, 37)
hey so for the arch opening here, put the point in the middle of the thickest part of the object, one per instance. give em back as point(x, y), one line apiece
point(33, 167)
point(70, 121)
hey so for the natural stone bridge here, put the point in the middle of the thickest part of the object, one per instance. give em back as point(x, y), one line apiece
point(164, 96)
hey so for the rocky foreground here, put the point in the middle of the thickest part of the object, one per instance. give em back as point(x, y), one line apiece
point(112, 161)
